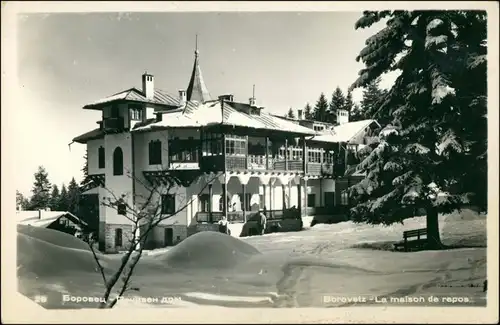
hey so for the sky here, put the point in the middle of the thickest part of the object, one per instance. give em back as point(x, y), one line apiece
point(66, 60)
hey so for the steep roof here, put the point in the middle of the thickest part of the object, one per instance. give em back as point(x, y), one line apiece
point(160, 97)
point(197, 90)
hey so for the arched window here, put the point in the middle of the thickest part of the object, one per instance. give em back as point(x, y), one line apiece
point(118, 237)
point(101, 157)
point(118, 161)
point(221, 202)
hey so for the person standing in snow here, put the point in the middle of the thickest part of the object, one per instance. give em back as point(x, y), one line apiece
point(262, 222)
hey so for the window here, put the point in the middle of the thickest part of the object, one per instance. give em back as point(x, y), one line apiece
point(118, 237)
point(344, 198)
point(167, 204)
point(311, 200)
point(135, 112)
point(101, 157)
point(122, 209)
point(183, 150)
point(204, 202)
point(118, 161)
point(155, 152)
point(236, 145)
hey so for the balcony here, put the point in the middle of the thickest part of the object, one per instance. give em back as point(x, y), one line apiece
point(113, 124)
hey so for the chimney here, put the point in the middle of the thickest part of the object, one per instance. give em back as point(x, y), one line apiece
point(252, 101)
point(228, 97)
point(342, 116)
point(148, 85)
point(182, 97)
point(299, 114)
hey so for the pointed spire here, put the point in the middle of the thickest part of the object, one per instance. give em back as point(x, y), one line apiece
point(197, 90)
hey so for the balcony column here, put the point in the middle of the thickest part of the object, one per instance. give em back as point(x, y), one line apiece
point(265, 195)
point(223, 182)
point(299, 198)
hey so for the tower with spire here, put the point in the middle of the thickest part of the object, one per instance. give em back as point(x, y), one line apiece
point(197, 90)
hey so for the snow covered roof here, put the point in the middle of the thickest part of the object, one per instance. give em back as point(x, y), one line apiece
point(223, 113)
point(94, 134)
point(133, 94)
point(345, 132)
point(44, 218)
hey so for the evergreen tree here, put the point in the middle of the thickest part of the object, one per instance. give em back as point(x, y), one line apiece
point(41, 190)
point(54, 198)
point(290, 113)
point(21, 201)
point(85, 168)
point(73, 196)
point(440, 114)
point(63, 199)
point(321, 109)
point(373, 97)
point(338, 102)
point(356, 114)
point(349, 103)
point(308, 115)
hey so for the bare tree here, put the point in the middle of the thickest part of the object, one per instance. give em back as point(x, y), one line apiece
point(144, 216)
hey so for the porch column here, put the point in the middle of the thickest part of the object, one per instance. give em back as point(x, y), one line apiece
point(305, 197)
point(210, 198)
point(299, 198)
point(264, 194)
point(244, 203)
point(283, 203)
point(224, 200)
point(304, 155)
point(290, 194)
point(286, 154)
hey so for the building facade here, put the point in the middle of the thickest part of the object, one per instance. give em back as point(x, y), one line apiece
point(178, 156)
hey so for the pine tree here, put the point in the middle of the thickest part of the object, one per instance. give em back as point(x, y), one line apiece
point(356, 114)
point(337, 102)
point(290, 113)
point(54, 198)
point(440, 114)
point(308, 115)
point(373, 97)
point(85, 168)
point(321, 109)
point(21, 202)
point(63, 199)
point(73, 196)
point(41, 190)
point(349, 103)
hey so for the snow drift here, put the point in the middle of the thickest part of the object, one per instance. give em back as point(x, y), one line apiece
point(208, 249)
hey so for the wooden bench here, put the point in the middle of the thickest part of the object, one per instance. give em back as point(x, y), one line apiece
point(416, 243)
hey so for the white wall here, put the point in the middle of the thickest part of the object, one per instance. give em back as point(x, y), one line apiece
point(93, 156)
point(122, 184)
point(141, 147)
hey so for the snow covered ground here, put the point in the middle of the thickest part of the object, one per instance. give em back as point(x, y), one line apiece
point(311, 268)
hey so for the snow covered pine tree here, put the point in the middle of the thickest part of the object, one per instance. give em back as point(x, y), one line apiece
point(437, 160)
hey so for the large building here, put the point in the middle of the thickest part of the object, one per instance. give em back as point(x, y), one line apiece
point(184, 153)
